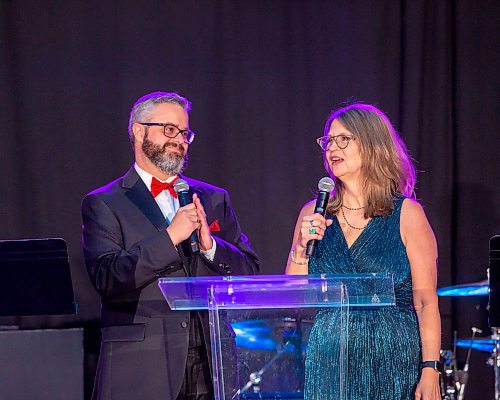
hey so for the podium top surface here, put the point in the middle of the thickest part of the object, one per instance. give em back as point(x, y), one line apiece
point(278, 291)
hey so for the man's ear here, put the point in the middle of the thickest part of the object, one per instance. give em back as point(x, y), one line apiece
point(138, 131)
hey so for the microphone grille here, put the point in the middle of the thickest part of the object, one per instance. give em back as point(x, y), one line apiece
point(181, 185)
point(326, 184)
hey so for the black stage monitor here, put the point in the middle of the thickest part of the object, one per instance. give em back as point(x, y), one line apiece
point(35, 278)
point(494, 306)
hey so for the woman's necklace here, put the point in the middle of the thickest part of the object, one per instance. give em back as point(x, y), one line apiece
point(353, 209)
point(347, 222)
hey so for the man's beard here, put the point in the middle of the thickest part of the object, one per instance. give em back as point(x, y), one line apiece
point(172, 163)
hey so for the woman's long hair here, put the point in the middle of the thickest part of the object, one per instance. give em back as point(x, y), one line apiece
point(386, 170)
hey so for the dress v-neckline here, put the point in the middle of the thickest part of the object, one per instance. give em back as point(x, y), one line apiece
point(357, 239)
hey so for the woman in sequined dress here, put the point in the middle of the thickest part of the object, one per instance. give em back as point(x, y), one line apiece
point(373, 224)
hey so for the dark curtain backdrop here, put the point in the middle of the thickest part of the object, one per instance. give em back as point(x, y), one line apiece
point(262, 76)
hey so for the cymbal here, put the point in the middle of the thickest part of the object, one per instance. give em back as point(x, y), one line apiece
point(481, 344)
point(480, 288)
point(269, 334)
point(253, 335)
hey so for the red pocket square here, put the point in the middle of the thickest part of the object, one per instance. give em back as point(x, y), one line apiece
point(214, 226)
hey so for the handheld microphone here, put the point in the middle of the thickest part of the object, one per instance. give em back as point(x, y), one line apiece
point(326, 186)
point(181, 187)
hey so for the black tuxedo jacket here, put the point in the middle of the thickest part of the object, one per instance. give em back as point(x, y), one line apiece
point(126, 249)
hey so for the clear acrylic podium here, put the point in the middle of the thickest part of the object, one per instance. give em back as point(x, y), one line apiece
point(260, 326)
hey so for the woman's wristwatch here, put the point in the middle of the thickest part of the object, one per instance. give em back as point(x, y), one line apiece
point(435, 365)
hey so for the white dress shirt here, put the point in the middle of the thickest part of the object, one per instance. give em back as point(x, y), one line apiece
point(169, 205)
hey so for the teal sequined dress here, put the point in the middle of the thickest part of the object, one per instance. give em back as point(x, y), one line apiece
point(384, 349)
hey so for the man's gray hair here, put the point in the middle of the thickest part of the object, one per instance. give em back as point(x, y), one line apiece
point(146, 105)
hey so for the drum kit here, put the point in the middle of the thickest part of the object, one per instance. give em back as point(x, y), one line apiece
point(454, 381)
point(280, 336)
point(284, 336)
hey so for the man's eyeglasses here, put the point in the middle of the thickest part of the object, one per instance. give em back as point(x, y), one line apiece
point(171, 131)
point(342, 141)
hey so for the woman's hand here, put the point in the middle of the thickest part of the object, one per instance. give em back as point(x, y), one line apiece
point(428, 387)
point(309, 226)
point(312, 228)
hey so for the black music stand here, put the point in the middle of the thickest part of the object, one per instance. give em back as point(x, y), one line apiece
point(35, 278)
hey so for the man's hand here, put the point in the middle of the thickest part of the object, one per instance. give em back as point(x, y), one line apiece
point(187, 219)
point(203, 231)
point(185, 222)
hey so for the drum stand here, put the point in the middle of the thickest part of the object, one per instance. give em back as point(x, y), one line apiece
point(465, 372)
point(495, 358)
point(292, 341)
point(448, 381)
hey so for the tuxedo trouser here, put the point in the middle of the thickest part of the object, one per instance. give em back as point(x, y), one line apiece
point(197, 383)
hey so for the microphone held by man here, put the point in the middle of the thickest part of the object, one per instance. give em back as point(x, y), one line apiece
point(182, 189)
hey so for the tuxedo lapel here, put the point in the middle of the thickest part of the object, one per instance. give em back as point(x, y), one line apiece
point(139, 194)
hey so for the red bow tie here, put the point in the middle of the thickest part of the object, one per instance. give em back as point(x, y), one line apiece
point(157, 187)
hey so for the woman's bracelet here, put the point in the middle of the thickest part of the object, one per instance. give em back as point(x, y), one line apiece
point(292, 257)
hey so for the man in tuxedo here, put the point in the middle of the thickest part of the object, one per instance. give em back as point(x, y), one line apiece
point(134, 232)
